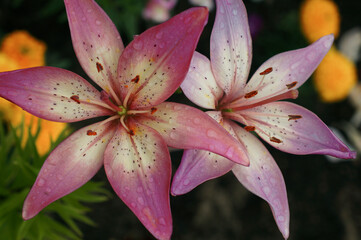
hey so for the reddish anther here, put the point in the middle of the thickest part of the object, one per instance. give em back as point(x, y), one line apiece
point(91, 133)
point(251, 94)
point(131, 132)
point(276, 140)
point(136, 79)
point(267, 71)
point(250, 128)
point(153, 110)
point(75, 98)
point(291, 85)
point(294, 117)
point(99, 67)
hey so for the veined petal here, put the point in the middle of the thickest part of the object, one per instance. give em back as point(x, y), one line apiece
point(263, 178)
point(294, 129)
point(74, 162)
point(286, 71)
point(156, 62)
point(189, 128)
point(198, 166)
point(52, 93)
point(231, 47)
point(96, 41)
point(139, 169)
point(199, 85)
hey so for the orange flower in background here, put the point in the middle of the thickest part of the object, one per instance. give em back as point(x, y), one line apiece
point(335, 76)
point(20, 50)
point(24, 49)
point(319, 18)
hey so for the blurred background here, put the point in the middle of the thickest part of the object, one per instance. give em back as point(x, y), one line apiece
point(324, 193)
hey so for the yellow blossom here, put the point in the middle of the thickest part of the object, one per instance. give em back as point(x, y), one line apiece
point(335, 76)
point(319, 18)
point(24, 49)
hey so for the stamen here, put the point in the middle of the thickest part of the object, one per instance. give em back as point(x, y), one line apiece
point(251, 94)
point(133, 112)
point(276, 140)
point(99, 67)
point(105, 98)
point(153, 110)
point(130, 91)
point(91, 133)
point(75, 98)
point(294, 117)
point(291, 85)
point(123, 123)
point(267, 71)
point(250, 128)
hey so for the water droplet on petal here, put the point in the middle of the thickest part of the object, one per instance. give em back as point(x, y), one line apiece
point(83, 19)
point(159, 35)
point(311, 56)
point(230, 152)
point(221, 10)
point(162, 221)
point(266, 190)
point(273, 181)
point(140, 200)
point(173, 135)
point(281, 218)
point(186, 182)
point(89, 10)
point(41, 182)
point(48, 190)
point(60, 177)
point(97, 22)
point(138, 45)
point(139, 189)
point(211, 133)
point(197, 121)
point(234, 12)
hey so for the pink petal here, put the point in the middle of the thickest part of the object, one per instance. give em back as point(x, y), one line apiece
point(74, 162)
point(155, 63)
point(294, 129)
point(199, 85)
point(52, 93)
point(139, 169)
point(286, 71)
point(198, 166)
point(263, 178)
point(96, 41)
point(189, 128)
point(231, 47)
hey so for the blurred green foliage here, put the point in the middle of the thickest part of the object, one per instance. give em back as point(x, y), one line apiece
point(18, 171)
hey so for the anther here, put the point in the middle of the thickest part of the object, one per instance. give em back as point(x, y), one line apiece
point(99, 67)
point(251, 94)
point(250, 128)
point(75, 98)
point(291, 85)
point(267, 71)
point(294, 117)
point(276, 140)
point(91, 133)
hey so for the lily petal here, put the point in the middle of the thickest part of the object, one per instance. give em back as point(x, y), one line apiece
point(189, 128)
point(139, 169)
point(74, 162)
point(155, 63)
point(96, 41)
point(231, 47)
point(294, 129)
point(199, 85)
point(198, 166)
point(263, 178)
point(286, 71)
point(52, 93)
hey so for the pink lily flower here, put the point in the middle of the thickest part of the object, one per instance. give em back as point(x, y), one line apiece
point(158, 10)
point(220, 84)
point(132, 141)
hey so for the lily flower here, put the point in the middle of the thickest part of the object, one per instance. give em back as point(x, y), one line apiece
point(132, 141)
point(220, 84)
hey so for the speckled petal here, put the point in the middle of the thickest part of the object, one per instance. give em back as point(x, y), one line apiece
point(286, 71)
point(189, 128)
point(74, 162)
point(139, 169)
point(231, 47)
point(52, 93)
point(198, 166)
point(263, 178)
point(199, 85)
point(156, 62)
point(294, 129)
point(96, 41)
